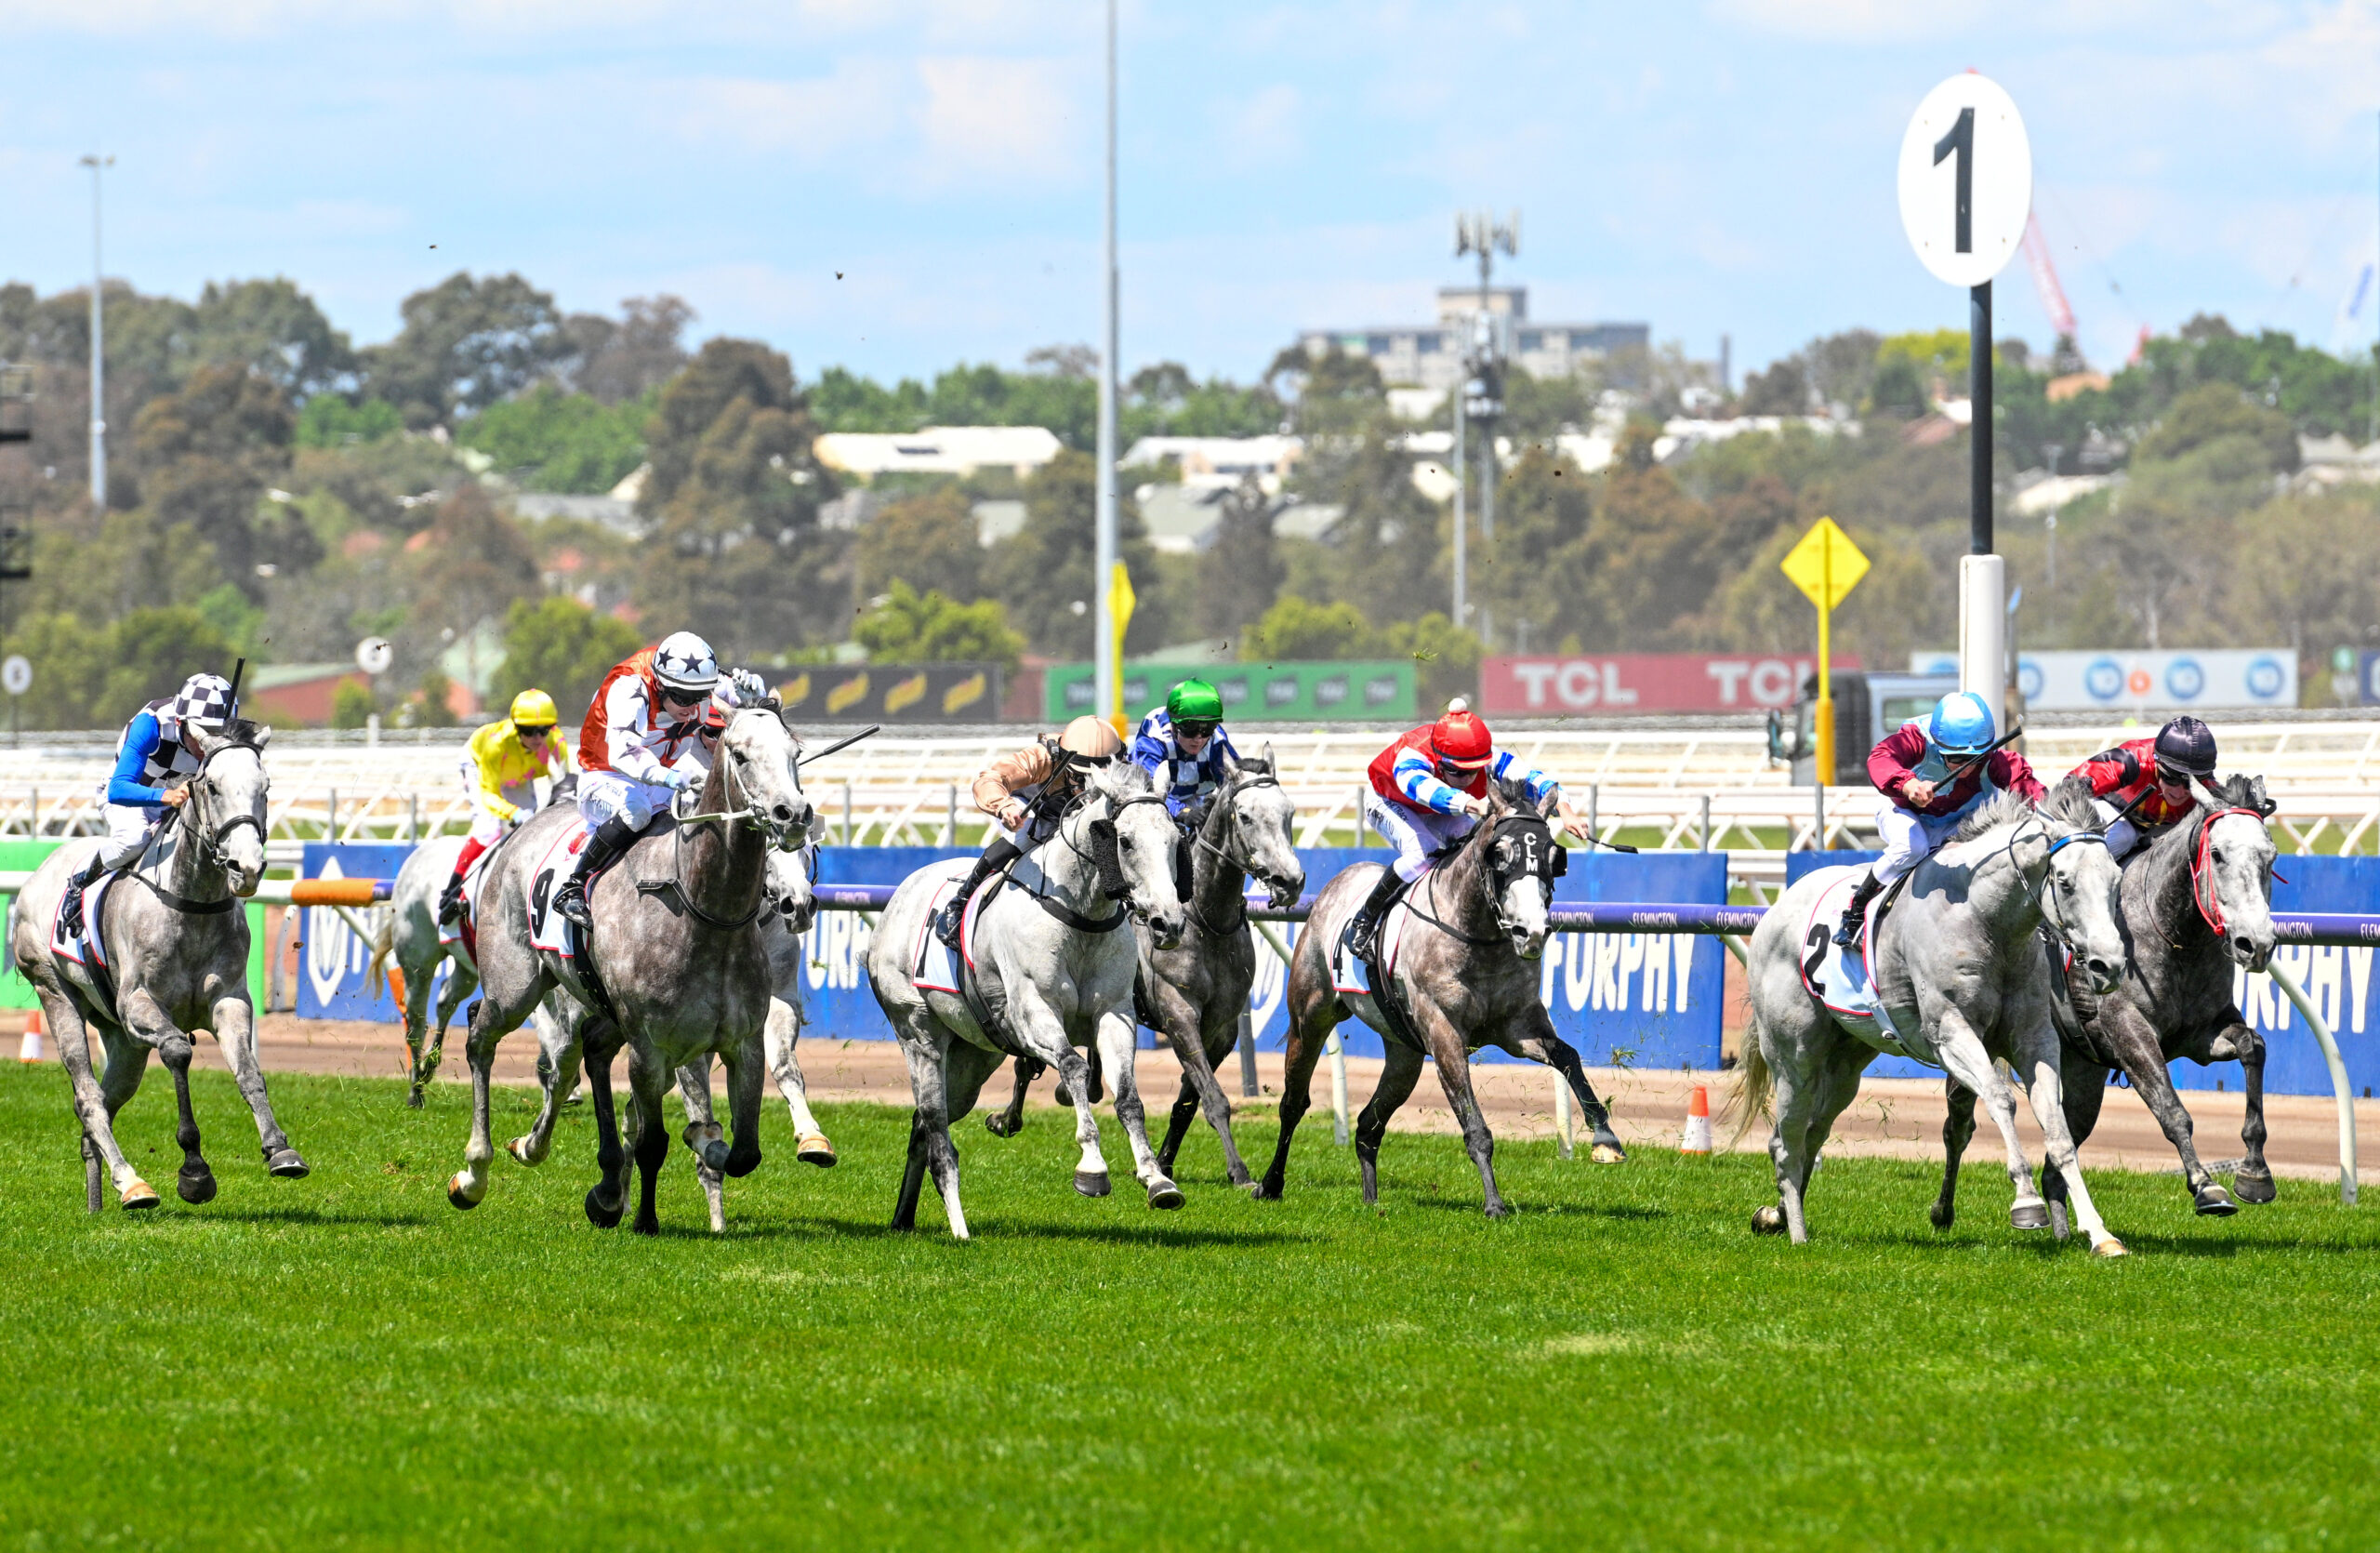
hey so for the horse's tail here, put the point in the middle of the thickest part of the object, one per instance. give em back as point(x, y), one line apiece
point(1755, 1085)
point(384, 943)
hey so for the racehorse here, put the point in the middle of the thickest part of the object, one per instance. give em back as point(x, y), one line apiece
point(678, 967)
point(1196, 992)
point(1464, 978)
point(2197, 901)
point(177, 952)
point(1963, 982)
point(1052, 973)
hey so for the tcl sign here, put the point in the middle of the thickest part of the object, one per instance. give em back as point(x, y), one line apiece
point(1643, 683)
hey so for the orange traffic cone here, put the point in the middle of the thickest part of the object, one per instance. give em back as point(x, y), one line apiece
point(30, 1051)
point(1697, 1123)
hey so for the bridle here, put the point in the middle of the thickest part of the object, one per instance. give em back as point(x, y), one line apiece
point(2054, 922)
point(730, 793)
point(207, 840)
point(1557, 864)
point(1224, 802)
point(2202, 891)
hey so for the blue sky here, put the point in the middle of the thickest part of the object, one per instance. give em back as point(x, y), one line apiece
point(1708, 166)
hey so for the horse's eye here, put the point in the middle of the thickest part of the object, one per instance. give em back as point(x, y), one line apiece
point(1124, 842)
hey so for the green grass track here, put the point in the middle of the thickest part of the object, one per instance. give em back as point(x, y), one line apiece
point(347, 1361)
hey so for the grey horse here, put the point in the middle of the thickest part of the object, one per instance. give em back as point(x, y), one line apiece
point(177, 953)
point(2197, 902)
point(1958, 971)
point(1466, 975)
point(1055, 974)
point(677, 950)
point(1196, 992)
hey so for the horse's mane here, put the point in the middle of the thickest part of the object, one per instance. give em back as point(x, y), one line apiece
point(1121, 778)
point(2000, 808)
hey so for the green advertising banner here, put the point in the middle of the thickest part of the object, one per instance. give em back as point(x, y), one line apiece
point(1382, 692)
point(24, 855)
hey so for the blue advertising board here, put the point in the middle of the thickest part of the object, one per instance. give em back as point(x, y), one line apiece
point(1633, 999)
point(2337, 980)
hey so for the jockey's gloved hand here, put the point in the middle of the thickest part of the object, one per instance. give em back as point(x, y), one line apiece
point(749, 688)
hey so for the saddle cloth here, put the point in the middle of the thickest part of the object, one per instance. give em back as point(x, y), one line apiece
point(934, 964)
point(1348, 972)
point(550, 929)
point(80, 942)
point(463, 929)
point(1840, 978)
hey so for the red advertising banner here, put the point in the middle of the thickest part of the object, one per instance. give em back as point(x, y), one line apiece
point(1645, 683)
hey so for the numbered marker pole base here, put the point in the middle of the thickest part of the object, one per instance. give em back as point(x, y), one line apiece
point(1983, 627)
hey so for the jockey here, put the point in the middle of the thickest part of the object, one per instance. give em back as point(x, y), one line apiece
point(1428, 788)
point(161, 744)
point(647, 713)
point(2150, 778)
point(1184, 745)
point(1912, 766)
point(505, 754)
point(1029, 792)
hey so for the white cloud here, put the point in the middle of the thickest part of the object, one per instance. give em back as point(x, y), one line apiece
point(1012, 121)
point(1262, 128)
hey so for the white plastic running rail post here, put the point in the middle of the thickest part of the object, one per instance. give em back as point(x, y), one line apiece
point(2339, 1084)
point(1338, 1089)
point(1562, 1128)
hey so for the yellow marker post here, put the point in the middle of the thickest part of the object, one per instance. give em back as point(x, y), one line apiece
point(1825, 565)
point(1121, 600)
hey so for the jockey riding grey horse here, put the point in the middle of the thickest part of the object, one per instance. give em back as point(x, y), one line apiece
point(1959, 974)
point(2197, 903)
point(177, 947)
point(1051, 969)
point(1465, 976)
point(677, 959)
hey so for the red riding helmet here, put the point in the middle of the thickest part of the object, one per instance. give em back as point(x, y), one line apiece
point(1459, 739)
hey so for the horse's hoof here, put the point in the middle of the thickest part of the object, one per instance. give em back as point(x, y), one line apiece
point(1497, 1210)
point(600, 1217)
point(1607, 1153)
point(413, 1101)
point(2110, 1248)
point(814, 1150)
point(284, 1164)
point(714, 1154)
point(1000, 1126)
point(1091, 1185)
point(1165, 1194)
point(518, 1150)
point(2252, 1186)
point(2029, 1215)
point(196, 1186)
point(1943, 1215)
point(457, 1196)
point(140, 1194)
point(645, 1226)
point(1768, 1219)
point(2212, 1201)
point(1266, 1191)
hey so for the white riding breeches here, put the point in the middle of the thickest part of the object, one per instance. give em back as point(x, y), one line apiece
point(602, 794)
point(2123, 835)
point(131, 827)
point(1414, 833)
point(1910, 838)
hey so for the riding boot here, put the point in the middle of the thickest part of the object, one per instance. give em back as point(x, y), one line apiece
point(611, 839)
point(70, 905)
point(450, 900)
point(1364, 930)
point(1855, 910)
point(996, 856)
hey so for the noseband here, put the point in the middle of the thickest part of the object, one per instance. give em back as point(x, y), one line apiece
point(2202, 892)
point(207, 840)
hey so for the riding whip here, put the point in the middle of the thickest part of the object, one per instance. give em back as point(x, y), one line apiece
point(842, 743)
point(2011, 737)
point(232, 714)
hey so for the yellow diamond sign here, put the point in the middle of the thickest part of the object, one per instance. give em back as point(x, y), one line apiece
point(1825, 564)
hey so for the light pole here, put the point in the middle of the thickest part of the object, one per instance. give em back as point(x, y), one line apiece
point(99, 380)
point(1480, 396)
point(1106, 682)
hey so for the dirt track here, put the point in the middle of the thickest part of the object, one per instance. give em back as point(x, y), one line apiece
point(1898, 1118)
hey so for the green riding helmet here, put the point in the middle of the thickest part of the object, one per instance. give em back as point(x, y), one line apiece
point(1195, 702)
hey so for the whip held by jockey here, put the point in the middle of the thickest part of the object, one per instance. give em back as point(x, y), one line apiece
point(158, 746)
point(1186, 747)
point(509, 753)
point(1428, 791)
point(1028, 791)
point(646, 719)
point(1936, 770)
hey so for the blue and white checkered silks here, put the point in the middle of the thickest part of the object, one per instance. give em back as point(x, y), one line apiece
point(685, 662)
point(204, 701)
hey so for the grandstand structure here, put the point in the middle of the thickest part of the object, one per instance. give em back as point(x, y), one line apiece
point(1669, 789)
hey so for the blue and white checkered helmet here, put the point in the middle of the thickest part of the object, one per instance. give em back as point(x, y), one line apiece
point(204, 701)
point(1961, 724)
point(685, 662)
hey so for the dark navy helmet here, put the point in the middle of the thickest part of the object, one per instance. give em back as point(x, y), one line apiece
point(2186, 746)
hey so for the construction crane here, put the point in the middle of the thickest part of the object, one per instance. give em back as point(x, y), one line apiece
point(2037, 259)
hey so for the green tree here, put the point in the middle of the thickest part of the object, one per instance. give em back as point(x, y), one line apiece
point(467, 343)
point(1241, 572)
point(928, 541)
point(1387, 545)
point(2215, 410)
point(561, 647)
point(150, 653)
point(1299, 630)
point(70, 664)
point(430, 706)
point(1446, 656)
point(269, 328)
point(908, 626)
point(547, 440)
point(353, 704)
point(1043, 570)
point(207, 455)
point(335, 421)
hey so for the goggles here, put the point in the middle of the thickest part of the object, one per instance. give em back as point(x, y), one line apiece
point(1192, 729)
point(673, 697)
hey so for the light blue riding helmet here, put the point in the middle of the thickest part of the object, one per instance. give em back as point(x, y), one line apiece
point(1961, 723)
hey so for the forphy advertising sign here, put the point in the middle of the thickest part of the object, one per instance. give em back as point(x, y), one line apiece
point(1254, 692)
point(2169, 680)
point(1645, 683)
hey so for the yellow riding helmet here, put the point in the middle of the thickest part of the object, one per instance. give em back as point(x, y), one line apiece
point(1090, 740)
point(534, 709)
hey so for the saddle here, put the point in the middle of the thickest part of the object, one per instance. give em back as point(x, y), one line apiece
point(1376, 977)
point(82, 942)
point(935, 968)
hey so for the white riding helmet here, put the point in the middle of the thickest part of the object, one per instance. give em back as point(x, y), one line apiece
point(684, 661)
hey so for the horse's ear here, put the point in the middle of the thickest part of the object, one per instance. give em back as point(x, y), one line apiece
point(1270, 765)
point(2258, 800)
point(256, 734)
point(1231, 765)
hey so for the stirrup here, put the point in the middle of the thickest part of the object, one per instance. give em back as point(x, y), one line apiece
point(1362, 939)
point(947, 920)
point(570, 902)
point(1846, 934)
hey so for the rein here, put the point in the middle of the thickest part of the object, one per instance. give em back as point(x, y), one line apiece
point(676, 884)
point(2054, 922)
point(1494, 832)
point(2202, 891)
point(1060, 909)
point(207, 843)
point(1222, 806)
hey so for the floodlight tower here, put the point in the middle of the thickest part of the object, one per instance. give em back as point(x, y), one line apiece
point(97, 165)
point(1482, 395)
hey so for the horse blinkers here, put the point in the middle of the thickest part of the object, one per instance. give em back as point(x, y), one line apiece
point(1104, 855)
